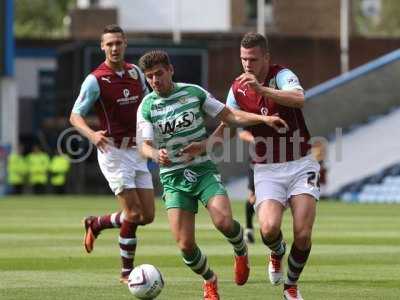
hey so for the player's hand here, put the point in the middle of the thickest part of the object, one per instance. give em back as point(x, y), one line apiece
point(192, 150)
point(277, 123)
point(162, 157)
point(251, 81)
point(100, 140)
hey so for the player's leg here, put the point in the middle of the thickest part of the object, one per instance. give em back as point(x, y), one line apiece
point(131, 205)
point(95, 224)
point(304, 193)
point(109, 163)
point(220, 212)
point(138, 208)
point(182, 224)
point(303, 209)
point(271, 200)
point(144, 189)
point(270, 214)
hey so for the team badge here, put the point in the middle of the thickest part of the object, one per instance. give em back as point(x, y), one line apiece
point(158, 107)
point(126, 93)
point(183, 100)
point(133, 73)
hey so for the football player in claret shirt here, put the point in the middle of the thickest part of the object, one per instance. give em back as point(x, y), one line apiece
point(169, 119)
point(285, 172)
point(115, 89)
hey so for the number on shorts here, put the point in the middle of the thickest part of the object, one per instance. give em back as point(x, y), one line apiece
point(313, 179)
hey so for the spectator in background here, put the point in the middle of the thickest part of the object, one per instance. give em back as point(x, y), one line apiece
point(38, 167)
point(17, 169)
point(59, 167)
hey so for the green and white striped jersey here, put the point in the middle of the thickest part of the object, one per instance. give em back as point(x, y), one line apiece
point(176, 121)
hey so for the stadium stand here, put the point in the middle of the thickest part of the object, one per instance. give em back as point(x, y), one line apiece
point(381, 187)
point(363, 157)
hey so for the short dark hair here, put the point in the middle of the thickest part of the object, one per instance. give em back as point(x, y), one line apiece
point(253, 39)
point(113, 28)
point(153, 58)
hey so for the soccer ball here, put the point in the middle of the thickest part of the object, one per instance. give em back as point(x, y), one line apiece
point(145, 282)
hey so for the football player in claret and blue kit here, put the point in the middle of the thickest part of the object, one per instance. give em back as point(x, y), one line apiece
point(115, 89)
point(169, 119)
point(285, 172)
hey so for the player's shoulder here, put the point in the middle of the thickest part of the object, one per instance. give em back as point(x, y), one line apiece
point(274, 69)
point(191, 89)
point(133, 70)
point(149, 98)
point(101, 70)
point(131, 66)
point(188, 86)
point(236, 85)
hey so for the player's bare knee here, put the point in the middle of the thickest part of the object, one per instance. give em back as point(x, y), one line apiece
point(302, 239)
point(269, 230)
point(133, 217)
point(147, 218)
point(224, 224)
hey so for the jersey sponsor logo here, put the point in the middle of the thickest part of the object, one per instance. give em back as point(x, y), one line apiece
point(242, 91)
point(182, 121)
point(107, 79)
point(160, 107)
point(127, 100)
point(190, 175)
point(264, 111)
point(133, 74)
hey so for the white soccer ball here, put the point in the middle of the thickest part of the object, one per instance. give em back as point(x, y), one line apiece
point(145, 282)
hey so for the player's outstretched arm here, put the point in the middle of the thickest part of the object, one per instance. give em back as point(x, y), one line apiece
point(242, 118)
point(230, 117)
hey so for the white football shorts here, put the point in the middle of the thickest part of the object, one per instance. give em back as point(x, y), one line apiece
point(280, 181)
point(124, 169)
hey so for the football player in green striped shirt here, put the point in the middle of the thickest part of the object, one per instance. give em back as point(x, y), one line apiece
point(169, 119)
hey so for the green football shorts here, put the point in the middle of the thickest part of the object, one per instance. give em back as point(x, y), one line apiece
point(184, 188)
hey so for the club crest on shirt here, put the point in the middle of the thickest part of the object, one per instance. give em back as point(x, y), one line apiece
point(183, 100)
point(272, 83)
point(126, 93)
point(158, 107)
point(133, 73)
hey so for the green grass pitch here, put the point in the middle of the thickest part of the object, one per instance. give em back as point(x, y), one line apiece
point(355, 255)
